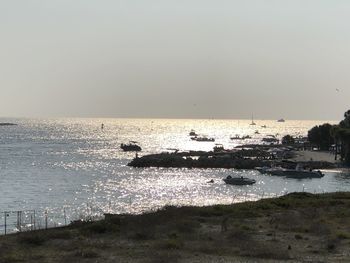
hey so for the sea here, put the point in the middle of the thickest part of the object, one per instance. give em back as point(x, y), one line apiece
point(55, 171)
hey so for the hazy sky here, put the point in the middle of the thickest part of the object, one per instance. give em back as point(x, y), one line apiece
point(178, 59)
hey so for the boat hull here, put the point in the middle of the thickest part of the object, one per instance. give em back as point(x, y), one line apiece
point(303, 174)
point(239, 181)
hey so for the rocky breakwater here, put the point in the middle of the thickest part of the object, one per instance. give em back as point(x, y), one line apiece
point(178, 160)
point(239, 159)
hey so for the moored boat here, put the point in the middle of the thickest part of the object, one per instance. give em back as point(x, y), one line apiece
point(270, 139)
point(298, 173)
point(202, 139)
point(131, 147)
point(193, 133)
point(301, 174)
point(239, 180)
point(237, 137)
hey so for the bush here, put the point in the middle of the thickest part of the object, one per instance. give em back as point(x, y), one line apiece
point(99, 227)
point(34, 239)
point(171, 244)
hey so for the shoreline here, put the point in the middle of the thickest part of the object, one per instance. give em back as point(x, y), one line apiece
point(285, 229)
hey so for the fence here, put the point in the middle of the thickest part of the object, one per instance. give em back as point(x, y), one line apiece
point(29, 220)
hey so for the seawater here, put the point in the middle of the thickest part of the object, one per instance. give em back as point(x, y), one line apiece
point(72, 167)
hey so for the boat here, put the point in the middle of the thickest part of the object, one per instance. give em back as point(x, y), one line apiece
point(257, 132)
point(238, 180)
point(270, 139)
point(252, 123)
point(202, 139)
point(131, 147)
point(263, 126)
point(281, 120)
point(297, 173)
point(301, 174)
point(277, 171)
point(193, 133)
point(237, 137)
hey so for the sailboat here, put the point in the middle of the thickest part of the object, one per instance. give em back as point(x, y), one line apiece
point(253, 123)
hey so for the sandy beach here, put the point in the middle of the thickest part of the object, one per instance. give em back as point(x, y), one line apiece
point(305, 156)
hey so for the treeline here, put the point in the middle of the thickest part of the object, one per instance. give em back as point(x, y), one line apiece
point(337, 136)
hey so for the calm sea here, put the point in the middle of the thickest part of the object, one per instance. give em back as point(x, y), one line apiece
point(74, 168)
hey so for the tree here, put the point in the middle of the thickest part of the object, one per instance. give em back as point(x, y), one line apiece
point(321, 136)
point(341, 133)
point(288, 139)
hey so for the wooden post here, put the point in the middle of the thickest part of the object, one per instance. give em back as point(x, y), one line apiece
point(20, 221)
point(65, 217)
point(34, 219)
point(45, 219)
point(5, 213)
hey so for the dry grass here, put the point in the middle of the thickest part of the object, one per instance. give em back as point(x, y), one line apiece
point(295, 226)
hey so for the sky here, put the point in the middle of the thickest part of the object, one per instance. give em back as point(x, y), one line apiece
point(175, 59)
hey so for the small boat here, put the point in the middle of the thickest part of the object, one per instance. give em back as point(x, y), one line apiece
point(193, 133)
point(202, 139)
point(257, 132)
point(270, 139)
point(131, 147)
point(237, 137)
point(239, 180)
point(281, 120)
point(263, 126)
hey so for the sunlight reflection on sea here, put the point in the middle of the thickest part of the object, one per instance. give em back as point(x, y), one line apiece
point(51, 164)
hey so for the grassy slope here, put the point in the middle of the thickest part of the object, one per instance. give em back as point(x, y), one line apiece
point(293, 227)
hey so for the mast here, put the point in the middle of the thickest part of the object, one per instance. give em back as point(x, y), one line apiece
point(253, 123)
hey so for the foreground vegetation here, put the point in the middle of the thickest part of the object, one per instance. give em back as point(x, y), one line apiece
point(296, 227)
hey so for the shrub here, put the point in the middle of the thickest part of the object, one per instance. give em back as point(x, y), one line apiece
point(34, 239)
